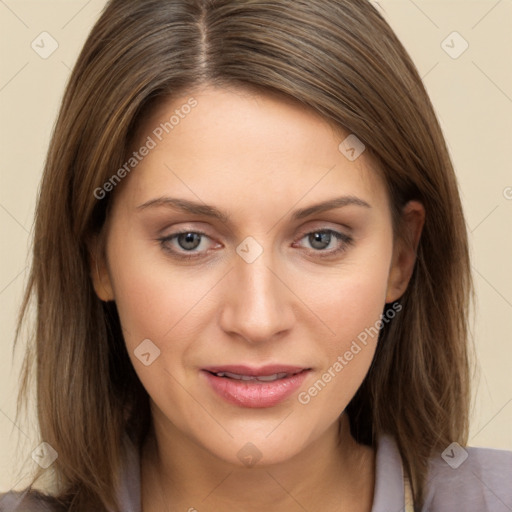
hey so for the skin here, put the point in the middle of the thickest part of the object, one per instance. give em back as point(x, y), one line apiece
point(258, 158)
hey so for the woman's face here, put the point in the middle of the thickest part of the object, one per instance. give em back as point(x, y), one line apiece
point(284, 265)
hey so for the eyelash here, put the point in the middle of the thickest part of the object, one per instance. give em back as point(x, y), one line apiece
point(347, 241)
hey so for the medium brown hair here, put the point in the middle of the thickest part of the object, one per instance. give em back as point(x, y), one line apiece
point(337, 57)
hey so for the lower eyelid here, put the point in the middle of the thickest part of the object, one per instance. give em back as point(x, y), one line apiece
point(344, 242)
point(181, 254)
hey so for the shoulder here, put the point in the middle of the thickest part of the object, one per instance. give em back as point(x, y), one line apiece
point(470, 479)
point(28, 501)
point(128, 494)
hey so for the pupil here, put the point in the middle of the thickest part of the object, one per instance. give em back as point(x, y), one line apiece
point(320, 240)
point(189, 240)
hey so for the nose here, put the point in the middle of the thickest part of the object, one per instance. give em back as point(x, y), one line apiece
point(257, 305)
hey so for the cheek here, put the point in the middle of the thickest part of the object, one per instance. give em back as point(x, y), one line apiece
point(158, 304)
point(350, 306)
point(353, 299)
point(154, 300)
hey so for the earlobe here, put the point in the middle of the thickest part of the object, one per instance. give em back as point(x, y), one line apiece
point(404, 251)
point(99, 271)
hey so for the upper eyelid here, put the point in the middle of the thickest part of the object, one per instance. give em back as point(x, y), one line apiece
point(324, 227)
point(339, 235)
point(175, 234)
point(320, 225)
point(303, 232)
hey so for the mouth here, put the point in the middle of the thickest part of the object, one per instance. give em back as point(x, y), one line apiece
point(261, 378)
point(255, 387)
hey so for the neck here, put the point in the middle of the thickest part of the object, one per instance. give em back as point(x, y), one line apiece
point(332, 473)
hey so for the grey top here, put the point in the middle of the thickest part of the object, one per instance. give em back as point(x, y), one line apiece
point(469, 480)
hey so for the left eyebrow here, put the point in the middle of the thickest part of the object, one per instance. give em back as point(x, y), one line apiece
point(331, 204)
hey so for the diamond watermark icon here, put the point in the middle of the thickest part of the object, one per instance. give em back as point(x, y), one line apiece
point(44, 455)
point(454, 45)
point(44, 45)
point(249, 454)
point(352, 148)
point(249, 250)
point(454, 455)
point(147, 352)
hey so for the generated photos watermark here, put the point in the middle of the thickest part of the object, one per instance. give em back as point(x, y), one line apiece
point(151, 142)
point(342, 361)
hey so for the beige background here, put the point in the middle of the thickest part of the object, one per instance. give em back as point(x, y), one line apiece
point(472, 95)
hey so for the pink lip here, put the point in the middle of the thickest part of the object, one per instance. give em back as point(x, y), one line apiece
point(253, 393)
point(241, 369)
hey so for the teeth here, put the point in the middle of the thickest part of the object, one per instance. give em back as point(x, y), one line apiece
point(262, 378)
point(269, 378)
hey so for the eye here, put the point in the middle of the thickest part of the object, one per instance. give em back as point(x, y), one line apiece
point(320, 239)
point(189, 241)
point(185, 244)
point(327, 242)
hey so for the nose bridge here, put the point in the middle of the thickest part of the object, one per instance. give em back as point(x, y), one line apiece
point(257, 305)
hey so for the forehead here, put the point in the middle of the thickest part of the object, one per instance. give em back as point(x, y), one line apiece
point(223, 144)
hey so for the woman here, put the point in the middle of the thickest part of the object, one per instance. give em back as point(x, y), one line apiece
point(251, 272)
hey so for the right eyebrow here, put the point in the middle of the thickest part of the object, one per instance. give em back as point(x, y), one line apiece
point(188, 206)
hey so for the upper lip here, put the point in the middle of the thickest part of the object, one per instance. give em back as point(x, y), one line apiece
point(252, 371)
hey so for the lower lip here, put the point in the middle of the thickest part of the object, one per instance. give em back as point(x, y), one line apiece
point(254, 393)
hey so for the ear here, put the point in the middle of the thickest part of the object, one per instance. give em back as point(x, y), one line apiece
point(99, 269)
point(404, 250)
